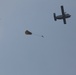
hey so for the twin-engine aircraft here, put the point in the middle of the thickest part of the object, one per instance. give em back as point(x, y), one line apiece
point(63, 16)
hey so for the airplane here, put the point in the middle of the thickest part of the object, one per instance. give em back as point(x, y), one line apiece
point(63, 16)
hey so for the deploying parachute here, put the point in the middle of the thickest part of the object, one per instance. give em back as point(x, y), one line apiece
point(27, 32)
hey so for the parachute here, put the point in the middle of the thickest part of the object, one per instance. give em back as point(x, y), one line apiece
point(27, 32)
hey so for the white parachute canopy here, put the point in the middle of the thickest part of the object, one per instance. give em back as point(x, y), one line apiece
point(27, 32)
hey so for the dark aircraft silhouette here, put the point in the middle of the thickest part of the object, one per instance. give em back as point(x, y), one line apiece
point(63, 16)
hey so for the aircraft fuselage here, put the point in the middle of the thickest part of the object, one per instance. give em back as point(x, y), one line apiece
point(63, 16)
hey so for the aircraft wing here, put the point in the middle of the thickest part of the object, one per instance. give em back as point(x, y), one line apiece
point(62, 10)
point(63, 13)
point(64, 20)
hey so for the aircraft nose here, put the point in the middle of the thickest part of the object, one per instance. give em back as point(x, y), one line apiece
point(69, 15)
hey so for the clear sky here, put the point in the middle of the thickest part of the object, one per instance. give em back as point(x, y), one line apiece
point(32, 55)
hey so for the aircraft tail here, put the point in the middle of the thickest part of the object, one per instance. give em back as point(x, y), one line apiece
point(54, 16)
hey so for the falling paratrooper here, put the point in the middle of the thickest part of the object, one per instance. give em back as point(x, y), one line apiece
point(27, 32)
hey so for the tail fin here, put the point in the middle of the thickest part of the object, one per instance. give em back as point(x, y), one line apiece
point(54, 16)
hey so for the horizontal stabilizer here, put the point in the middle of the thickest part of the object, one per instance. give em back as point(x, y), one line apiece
point(54, 16)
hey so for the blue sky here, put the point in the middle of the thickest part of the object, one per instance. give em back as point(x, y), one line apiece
point(32, 55)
